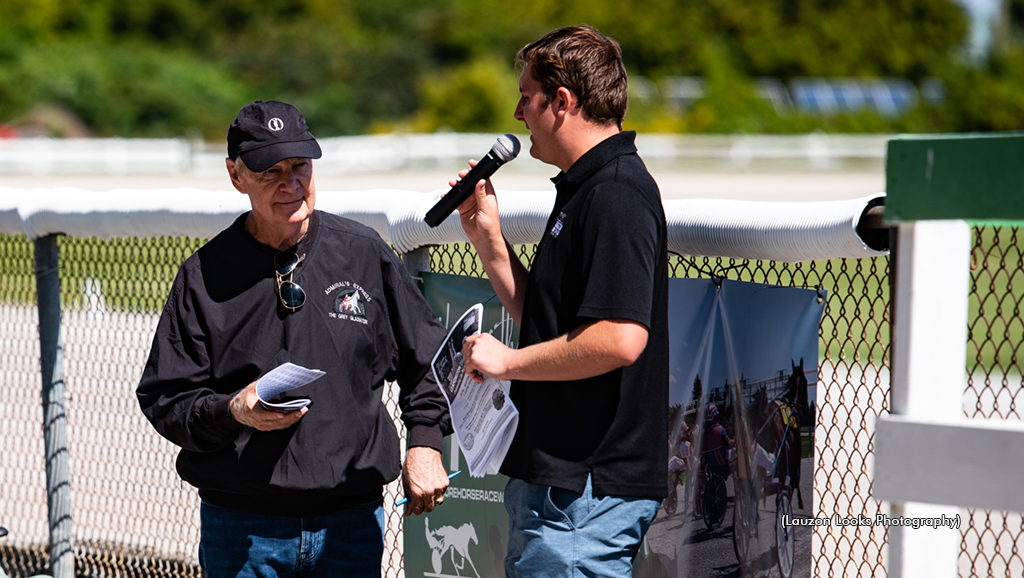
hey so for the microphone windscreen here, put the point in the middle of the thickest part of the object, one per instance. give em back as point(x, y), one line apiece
point(506, 147)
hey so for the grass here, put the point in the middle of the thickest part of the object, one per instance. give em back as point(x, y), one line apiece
point(995, 325)
point(17, 271)
point(130, 274)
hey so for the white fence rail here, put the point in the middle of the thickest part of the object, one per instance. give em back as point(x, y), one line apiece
point(789, 232)
point(376, 153)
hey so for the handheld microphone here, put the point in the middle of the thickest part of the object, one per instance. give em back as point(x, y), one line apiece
point(505, 149)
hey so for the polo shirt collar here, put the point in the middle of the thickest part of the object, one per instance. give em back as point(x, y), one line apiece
point(603, 153)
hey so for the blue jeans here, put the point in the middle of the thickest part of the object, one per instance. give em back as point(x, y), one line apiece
point(238, 544)
point(557, 532)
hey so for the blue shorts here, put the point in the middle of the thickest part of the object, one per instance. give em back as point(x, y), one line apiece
point(556, 532)
point(238, 544)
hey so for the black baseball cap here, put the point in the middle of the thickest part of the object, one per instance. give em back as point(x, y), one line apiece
point(267, 132)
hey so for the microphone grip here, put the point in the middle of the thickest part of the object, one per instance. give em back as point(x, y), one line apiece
point(447, 204)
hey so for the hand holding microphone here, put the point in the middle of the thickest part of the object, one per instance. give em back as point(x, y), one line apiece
point(505, 149)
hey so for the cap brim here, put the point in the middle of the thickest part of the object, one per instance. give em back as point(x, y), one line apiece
point(261, 159)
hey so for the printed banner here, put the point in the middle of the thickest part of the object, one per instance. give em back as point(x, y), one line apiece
point(738, 472)
point(744, 366)
point(468, 534)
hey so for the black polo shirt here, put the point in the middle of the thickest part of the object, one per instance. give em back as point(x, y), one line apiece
point(603, 256)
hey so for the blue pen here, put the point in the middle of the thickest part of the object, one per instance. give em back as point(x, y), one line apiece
point(404, 500)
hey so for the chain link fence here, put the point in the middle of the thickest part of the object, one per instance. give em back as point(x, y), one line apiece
point(132, 516)
point(853, 386)
point(993, 542)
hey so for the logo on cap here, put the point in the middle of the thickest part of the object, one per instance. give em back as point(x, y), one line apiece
point(275, 124)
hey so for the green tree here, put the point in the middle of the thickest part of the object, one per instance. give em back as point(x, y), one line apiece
point(121, 89)
point(165, 67)
point(476, 97)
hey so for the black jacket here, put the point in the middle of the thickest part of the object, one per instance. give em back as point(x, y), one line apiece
point(363, 322)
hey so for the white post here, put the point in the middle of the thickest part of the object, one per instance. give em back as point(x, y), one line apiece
point(928, 372)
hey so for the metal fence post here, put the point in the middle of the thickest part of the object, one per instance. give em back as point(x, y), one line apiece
point(417, 261)
point(58, 487)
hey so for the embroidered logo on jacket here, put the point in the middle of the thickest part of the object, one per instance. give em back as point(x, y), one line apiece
point(349, 301)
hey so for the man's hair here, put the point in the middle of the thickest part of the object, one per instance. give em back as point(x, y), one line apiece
point(586, 62)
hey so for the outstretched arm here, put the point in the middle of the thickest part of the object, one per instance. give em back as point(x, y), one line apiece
point(507, 274)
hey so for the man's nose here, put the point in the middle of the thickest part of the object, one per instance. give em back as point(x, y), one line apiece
point(292, 183)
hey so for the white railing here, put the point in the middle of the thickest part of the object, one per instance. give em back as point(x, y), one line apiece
point(375, 153)
point(789, 231)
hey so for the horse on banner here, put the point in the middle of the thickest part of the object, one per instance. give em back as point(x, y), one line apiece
point(778, 421)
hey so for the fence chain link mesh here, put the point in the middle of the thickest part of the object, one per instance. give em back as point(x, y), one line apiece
point(22, 457)
point(133, 516)
point(993, 542)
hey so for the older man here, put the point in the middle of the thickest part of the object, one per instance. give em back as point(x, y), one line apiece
point(297, 493)
point(587, 466)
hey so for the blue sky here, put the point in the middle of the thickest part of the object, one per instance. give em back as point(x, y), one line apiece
point(981, 13)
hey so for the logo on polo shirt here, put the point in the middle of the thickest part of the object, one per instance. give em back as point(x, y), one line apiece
point(557, 227)
point(275, 124)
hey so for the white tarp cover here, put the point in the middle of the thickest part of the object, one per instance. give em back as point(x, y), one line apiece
point(779, 231)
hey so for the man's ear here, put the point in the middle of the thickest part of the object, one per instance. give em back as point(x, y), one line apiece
point(235, 174)
point(564, 101)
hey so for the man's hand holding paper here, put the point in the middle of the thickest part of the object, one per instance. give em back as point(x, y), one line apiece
point(281, 380)
point(485, 357)
point(248, 411)
point(483, 416)
point(253, 406)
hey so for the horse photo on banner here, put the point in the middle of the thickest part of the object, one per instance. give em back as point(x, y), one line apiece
point(744, 366)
